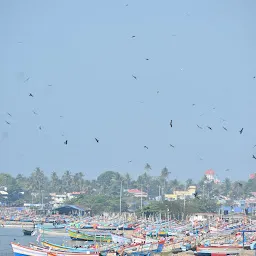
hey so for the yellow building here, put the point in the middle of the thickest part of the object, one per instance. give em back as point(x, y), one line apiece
point(180, 194)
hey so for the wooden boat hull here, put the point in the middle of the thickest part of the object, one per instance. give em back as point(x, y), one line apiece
point(89, 237)
point(27, 232)
point(20, 250)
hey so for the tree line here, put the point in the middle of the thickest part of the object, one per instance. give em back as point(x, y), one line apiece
point(103, 193)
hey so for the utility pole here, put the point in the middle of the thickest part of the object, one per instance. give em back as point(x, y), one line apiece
point(141, 197)
point(121, 188)
point(184, 204)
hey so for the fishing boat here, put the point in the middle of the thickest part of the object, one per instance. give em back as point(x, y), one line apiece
point(92, 236)
point(21, 250)
point(27, 232)
point(103, 249)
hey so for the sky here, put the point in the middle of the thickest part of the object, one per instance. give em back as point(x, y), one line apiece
point(200, 52)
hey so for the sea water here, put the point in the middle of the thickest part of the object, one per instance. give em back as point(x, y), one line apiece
point(8, 235)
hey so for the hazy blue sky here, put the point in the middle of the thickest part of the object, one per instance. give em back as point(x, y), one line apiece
point(85, 51)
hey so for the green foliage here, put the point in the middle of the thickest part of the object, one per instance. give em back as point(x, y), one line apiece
point(103, 194)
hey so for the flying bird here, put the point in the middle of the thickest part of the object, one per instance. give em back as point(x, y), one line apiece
point(49, 84)
point(34, 112)
point(199, 127)
point(127, 5)
point(226, 170)
point(254, 77)
point(193, 104)
point(26, 79)
point(210, 128)
point(145, 147)
point(225, 128)
point(66, 142)
point(130, 161)
point(254, 146)
point(157, 92)
point(253, 156)
point(241, 131)
point(97, 140)
point(134, 77)
point(240, 184)
point(9, 114)
point(40, 128)
point(171, 123)
point(31, 95)
point(133, 36)
point(196, 195)
point(171, 145)
point(146, 59)
point(7, 122)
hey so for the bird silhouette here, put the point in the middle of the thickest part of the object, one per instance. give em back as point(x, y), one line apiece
point(130, 161)
point(157, 92)
point(196, 195)
point(146, 59)
point(40, 128)
point(9, 114)
point(31, 95)
point(253, 156)
point(171, 145)
point(126, 5)
point(26, 79)
point(210, 128)
point(254, 77)
point(8, 123)
point(133, 36)
point(145, 147)
point(193, 104)
point(66, 142)
point(171, 123)
point(225, 128)
point(254, 146)
point(49, 84)
point(35, 112)
point(97, 140)
point(199, 127)
point(226, 170)
point(134, 77)
point(241, 131)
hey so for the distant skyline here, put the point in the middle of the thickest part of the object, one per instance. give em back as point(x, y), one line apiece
point(194, 63)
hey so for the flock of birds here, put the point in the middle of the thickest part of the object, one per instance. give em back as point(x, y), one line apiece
point(171, 123)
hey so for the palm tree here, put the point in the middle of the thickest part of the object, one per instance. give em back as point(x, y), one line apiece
point(67, 180)
point(147, 167)
point(55, 182)
point(189, 182)
point(127, 179)
point(164, 176)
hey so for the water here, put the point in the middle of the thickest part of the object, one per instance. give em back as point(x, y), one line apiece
point(8, 235)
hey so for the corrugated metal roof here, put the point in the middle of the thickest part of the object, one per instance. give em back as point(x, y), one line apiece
point(70, 207)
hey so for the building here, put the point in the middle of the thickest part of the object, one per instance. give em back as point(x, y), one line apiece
point(181, 194)
point(210, 176)
point(137, 193)
point(58, 200)
point(70, 210)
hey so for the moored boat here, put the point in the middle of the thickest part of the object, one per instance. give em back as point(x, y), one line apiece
point(27, 232)
point(99, 237)
point(21, 250)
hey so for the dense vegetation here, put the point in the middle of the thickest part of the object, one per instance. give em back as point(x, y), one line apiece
point(103, 194)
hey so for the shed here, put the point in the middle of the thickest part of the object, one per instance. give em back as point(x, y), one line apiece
point(70, 209)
